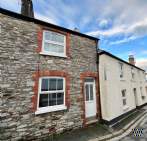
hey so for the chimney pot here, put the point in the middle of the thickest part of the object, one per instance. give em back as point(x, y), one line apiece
point(132, 59)
point(76, 29)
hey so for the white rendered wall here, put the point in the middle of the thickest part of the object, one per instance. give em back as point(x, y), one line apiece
point(110, 89)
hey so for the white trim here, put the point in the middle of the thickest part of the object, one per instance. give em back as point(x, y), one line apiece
point(53, 54)
point(50, 108)
point(94, 95)
point(43, 52)
point(125, 107)
point(121, 71)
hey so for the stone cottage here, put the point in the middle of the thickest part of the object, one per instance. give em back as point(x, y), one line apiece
point(48, 78)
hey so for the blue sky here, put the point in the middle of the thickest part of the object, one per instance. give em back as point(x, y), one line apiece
point(120, 25)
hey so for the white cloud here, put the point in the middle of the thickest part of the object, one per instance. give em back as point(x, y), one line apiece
point(132, 32)
point(110, 32)
point(129, 20)
point(142, 62)
point(45, 18)
point(127, 39)
point(144, 52)
point(103, 23)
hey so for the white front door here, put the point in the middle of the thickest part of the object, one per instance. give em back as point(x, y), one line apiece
point(90, 98)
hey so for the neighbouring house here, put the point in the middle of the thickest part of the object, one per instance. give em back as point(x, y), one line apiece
point(122, 86)
point(48, 78)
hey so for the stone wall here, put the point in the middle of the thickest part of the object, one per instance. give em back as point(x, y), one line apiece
point(19, 60)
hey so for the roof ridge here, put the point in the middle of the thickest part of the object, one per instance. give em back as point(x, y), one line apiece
point(37, 21)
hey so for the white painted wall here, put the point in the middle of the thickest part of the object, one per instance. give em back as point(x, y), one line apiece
point(110, 89)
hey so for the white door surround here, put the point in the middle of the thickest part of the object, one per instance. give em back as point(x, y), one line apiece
point(90, 97)
point(135, 96)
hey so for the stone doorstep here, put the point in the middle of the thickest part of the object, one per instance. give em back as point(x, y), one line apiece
point(118, 134)
point(91, 121)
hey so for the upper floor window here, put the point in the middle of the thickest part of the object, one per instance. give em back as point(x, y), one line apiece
point(132, 73)
point(142, 95)
point(121, 70)
point(105, 73)
point(54, 43)
point(124, 98)
point(51, 95)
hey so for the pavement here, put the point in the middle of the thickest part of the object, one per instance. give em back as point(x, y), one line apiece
point(127, 130)
point(139, 133)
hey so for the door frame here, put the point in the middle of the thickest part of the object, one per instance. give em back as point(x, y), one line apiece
point(83, 76)
point(94, 95)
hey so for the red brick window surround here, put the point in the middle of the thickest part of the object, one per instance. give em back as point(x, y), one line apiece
point(52, 39)
point(83, 76)
point(62, 92)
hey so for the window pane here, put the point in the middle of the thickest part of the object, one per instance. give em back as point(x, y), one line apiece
point(123, 93)
point(46, 46)
point(52, 84)
point(87, 92)
point(53, 48)
point(50, 47)
point(59, 84)
point(48, 35)
point(61, 38)
point(43, 102)
point(60, 48)
point(124, 102)
point(58, 37)
point(52, 99)
point(91, 92)
point(60, 98)
point(44, 85)
point(53, 36)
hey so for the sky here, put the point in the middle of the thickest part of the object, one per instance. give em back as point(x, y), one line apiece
point(121, 25)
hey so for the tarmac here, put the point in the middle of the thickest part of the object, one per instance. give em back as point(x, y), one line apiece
point(127, 130)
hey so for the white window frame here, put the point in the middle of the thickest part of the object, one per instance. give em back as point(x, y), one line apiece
point(142, 94)
point(121, 70)
point(105, 73)
point(125, 107)
point(53, 42)
point(41, 110)
point(132, 73)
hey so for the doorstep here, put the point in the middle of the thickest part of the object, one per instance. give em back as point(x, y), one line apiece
point(91, 120)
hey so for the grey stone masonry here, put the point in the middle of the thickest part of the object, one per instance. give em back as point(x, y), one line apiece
point(18, 61)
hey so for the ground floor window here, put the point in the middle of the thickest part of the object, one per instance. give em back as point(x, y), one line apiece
point(142, 95)
point(124, 98)
point(51, 94)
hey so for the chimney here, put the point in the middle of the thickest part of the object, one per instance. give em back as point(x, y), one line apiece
point(76, 29)
point(27, 8)
point(132, 59)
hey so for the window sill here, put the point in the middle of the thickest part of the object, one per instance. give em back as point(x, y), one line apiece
point(52, 54)
point(125, 108)
point(50, 109)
